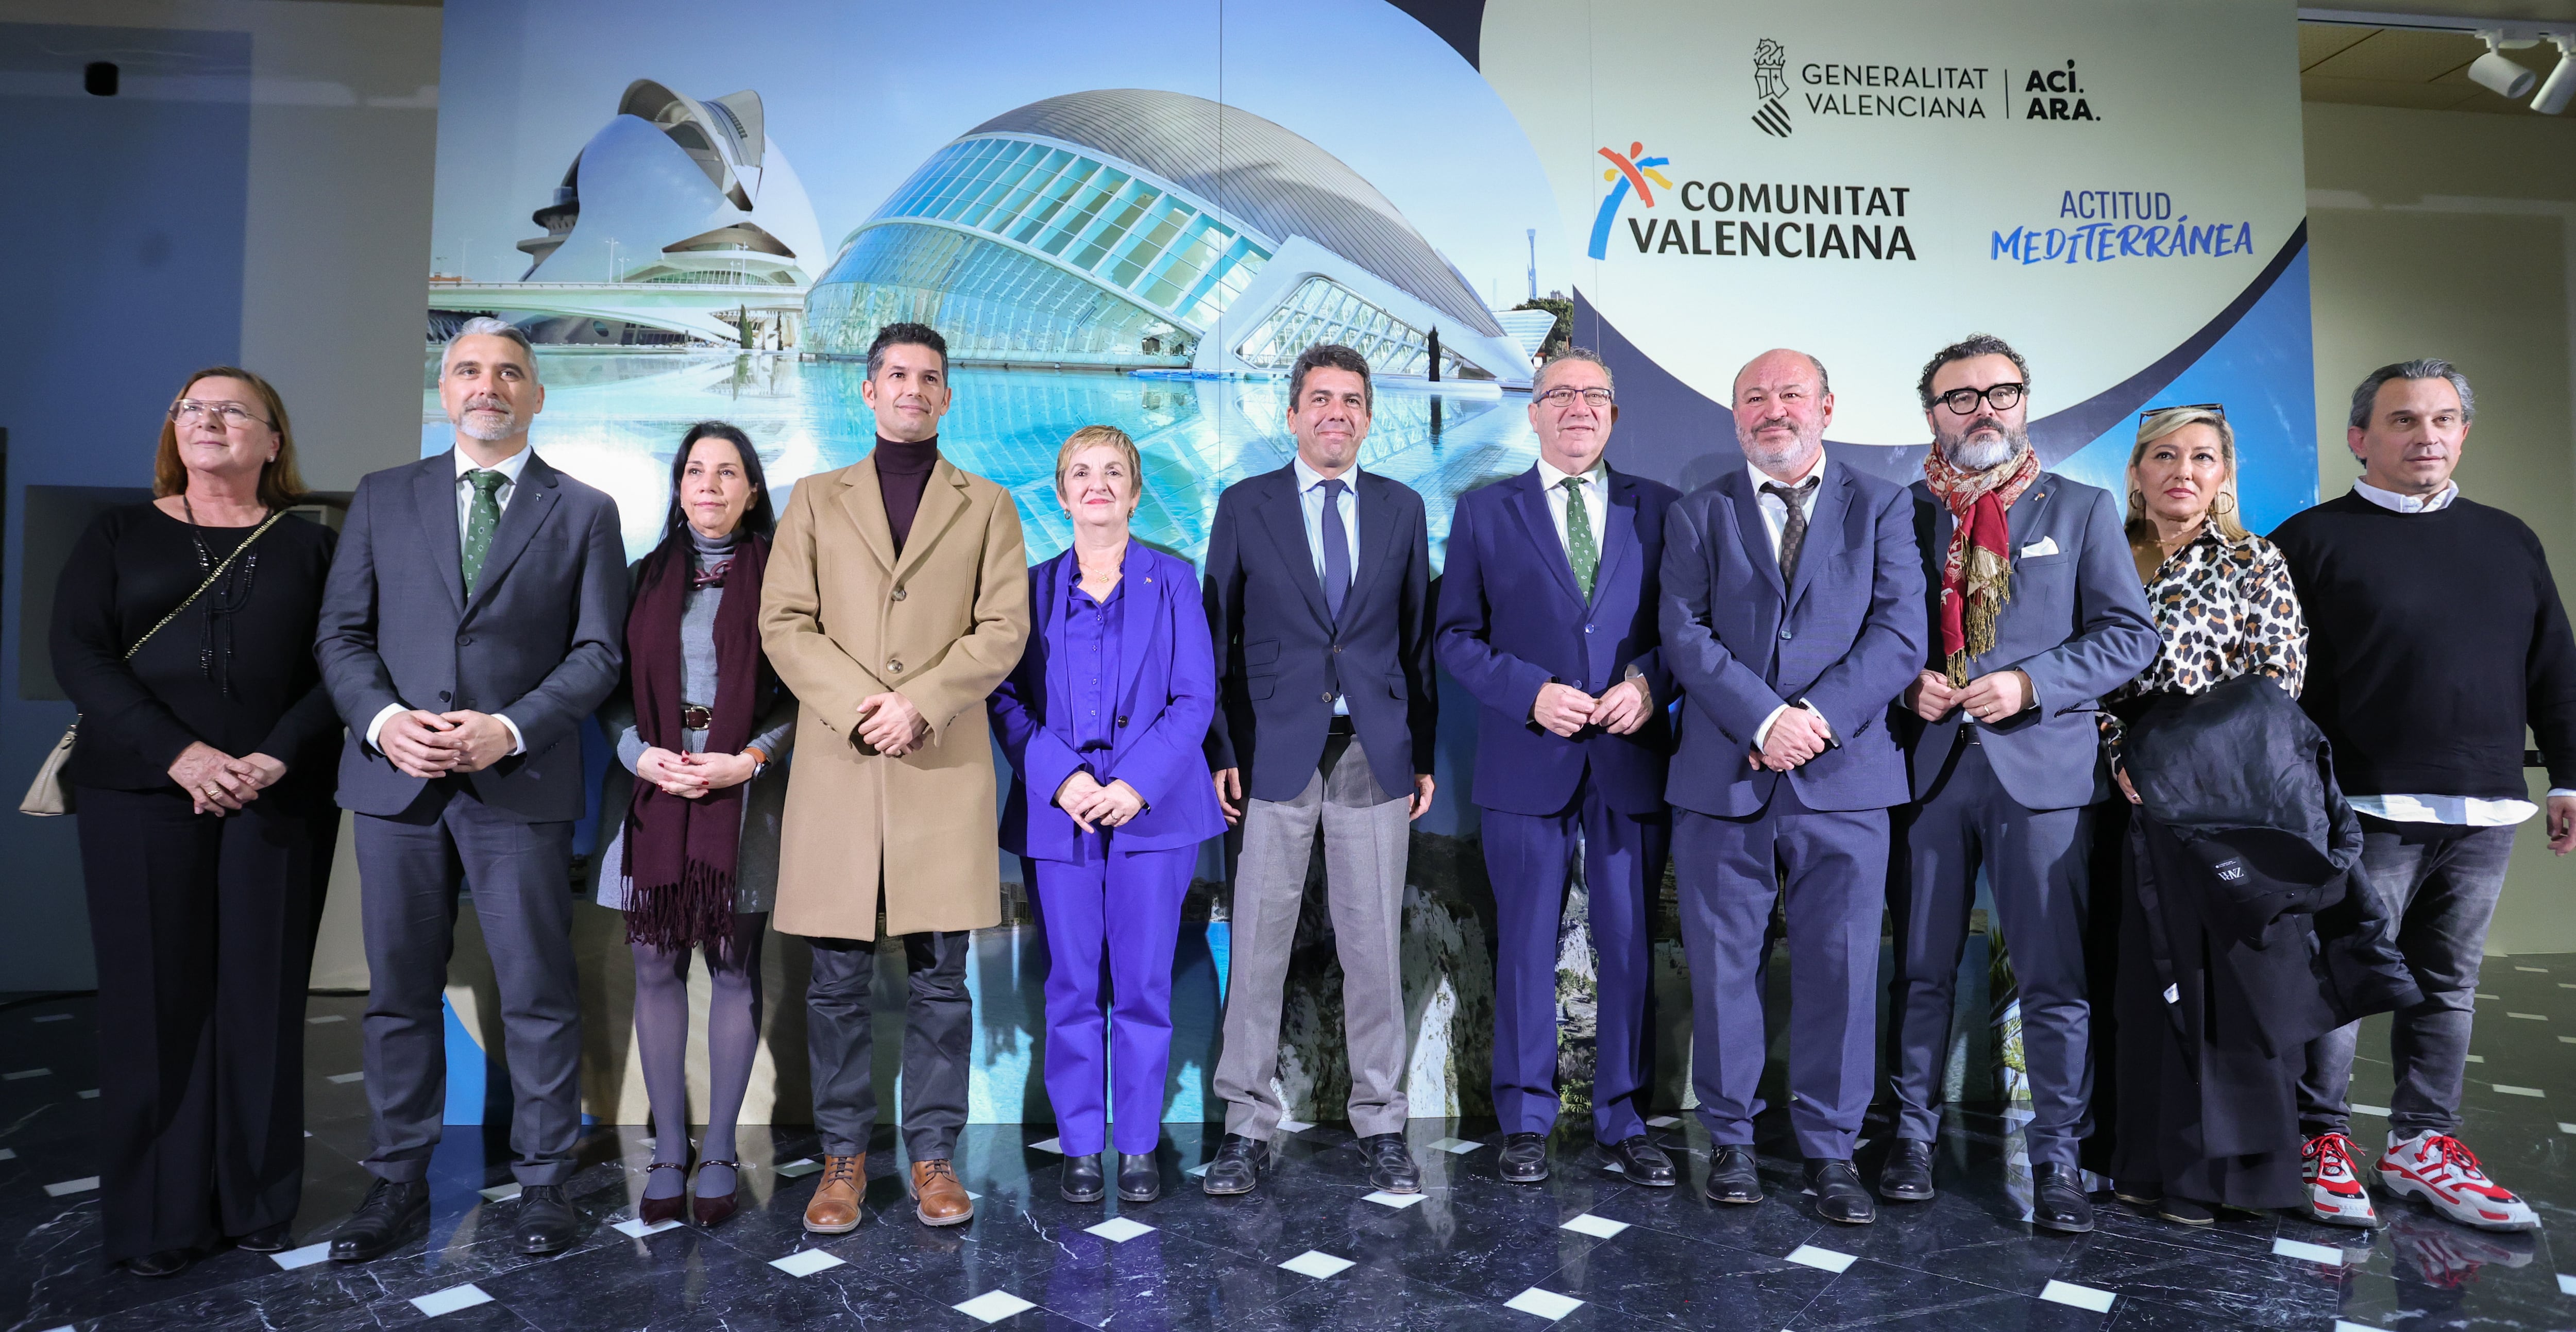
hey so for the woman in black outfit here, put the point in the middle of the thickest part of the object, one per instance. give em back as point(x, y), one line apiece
point(202, 779)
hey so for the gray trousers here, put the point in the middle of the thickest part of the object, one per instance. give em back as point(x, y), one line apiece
point(938, 1037)
point(1365, 837)
point(410, 867)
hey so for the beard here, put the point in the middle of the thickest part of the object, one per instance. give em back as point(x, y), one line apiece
point(486, 429)
point(1977, 455)
point(1769, 457)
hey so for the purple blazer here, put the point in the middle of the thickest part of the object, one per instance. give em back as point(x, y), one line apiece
point(1167, 696)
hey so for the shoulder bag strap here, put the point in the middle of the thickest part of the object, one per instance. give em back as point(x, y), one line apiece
point(211, 576)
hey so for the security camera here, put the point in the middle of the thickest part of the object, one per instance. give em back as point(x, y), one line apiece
point(2504, 78)
point(2561, 85)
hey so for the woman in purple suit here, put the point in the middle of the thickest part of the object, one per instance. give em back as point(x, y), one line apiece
point(1109, 801)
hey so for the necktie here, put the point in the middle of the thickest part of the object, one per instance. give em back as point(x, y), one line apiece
point(480, 518)
point(1582, 549)
point(1337, 551)
point(1793, 533)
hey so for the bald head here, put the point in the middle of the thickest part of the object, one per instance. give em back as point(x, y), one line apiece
point(1783, 402)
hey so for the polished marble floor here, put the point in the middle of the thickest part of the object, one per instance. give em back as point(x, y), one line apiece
point(1313, 1249)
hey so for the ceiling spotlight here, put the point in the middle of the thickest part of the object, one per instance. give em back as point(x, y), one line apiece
point(2505, 78)
point(2561, 86)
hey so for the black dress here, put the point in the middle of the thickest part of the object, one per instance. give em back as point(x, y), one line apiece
point(203, 927)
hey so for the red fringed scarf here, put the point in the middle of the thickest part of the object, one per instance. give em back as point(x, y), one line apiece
point(1976, 577)
point(680, 854)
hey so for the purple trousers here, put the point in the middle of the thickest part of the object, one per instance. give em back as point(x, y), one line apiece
point(1121, 909)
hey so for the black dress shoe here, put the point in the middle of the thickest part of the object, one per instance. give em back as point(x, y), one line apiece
point(266, 1239)
point(1907, 1175)
point(1732, 1177)
point(386, 1219)
point(167, 1263)
point(1391, 1167)
point(1839, 1196)
point(2058, 1202)
point(1081, 1180)
point(1140, 1178)
point(1239, 1165)
point(546, 1223)
point(1644, 1163)
point(1524, 1159)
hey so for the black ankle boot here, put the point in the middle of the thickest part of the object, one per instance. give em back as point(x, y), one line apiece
point(1081, 1181)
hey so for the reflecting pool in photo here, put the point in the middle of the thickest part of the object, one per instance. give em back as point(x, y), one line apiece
point(613, 419)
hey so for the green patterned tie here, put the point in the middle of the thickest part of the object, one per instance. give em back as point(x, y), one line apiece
point(1580, 548)
point(480, 519)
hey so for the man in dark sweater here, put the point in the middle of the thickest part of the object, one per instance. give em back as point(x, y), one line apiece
point(2424, 693)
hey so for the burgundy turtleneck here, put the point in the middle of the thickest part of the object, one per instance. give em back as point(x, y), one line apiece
point(903, 472)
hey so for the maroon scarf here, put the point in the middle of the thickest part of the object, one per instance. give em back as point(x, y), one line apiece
point(1976, 572)
point(681, 854)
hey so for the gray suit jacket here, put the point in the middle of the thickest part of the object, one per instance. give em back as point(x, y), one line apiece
point(541, 641)
point(2077, 624)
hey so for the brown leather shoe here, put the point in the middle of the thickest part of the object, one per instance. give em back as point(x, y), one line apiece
point(835, 1207)
point(938, 1199)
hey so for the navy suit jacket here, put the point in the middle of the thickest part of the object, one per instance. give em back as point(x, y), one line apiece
point(542, 640)
point(1512, 619)
point(1280, 657)
point(1167, 688)
point(1847, 637)
point(2077, 623)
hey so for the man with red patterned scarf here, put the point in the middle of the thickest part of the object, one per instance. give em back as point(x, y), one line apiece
point(2036, 612)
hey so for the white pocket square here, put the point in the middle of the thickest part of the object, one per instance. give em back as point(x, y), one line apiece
point(2043, 546)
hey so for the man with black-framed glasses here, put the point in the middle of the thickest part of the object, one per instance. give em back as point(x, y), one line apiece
point(2036, 613)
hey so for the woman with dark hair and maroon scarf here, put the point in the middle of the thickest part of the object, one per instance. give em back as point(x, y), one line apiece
point(702, 730)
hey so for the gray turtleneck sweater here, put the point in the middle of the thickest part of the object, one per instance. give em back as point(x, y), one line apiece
point(698, 666)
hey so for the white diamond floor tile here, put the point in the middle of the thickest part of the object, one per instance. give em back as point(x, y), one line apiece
point(636, 1229)
point(1294, 1126)
point(2565, 1127)
point(1398, 1201)
point(1317, 1264)
point(2081, 1297)
point(993, 1306)
point(325, 1018)
point(2529, 1017)
point(68, 1187)
point(1546, 1304)
point(2519, 1091)
point(1055, 1145)
point(11, 1153)
point(2347, 1325)
point(2305, 1252)
point(2542, 970)
point(87, 1094)
point(1663, 1121)
point(2475, 1059)
point(1456, 1146)
point(2359, 1109)
point(805, 1262)
point(499, 1192)
point(1823, 1260)
point(25, 1073)
point(52, 1017)
point(798, 1168)
point(304, 1257)
point(1599, 1227)
point(2566, 1284)
point(1118, 1229)
point(1198, 1171)
point(450, 1300)
point(345, 1079)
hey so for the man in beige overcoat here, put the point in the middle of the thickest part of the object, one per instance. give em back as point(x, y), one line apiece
point(897, 597)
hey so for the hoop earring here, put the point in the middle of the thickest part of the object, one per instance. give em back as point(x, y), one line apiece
point(2137, 502)
point(2229, 497)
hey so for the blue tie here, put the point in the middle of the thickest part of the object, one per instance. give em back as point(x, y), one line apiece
point(1337, 551)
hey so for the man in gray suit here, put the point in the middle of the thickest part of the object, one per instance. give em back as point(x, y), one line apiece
point(473, 618)
point(2036, 612)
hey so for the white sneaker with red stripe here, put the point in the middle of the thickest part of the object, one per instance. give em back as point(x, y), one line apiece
point(2335, 1194)
point(2437, 1169)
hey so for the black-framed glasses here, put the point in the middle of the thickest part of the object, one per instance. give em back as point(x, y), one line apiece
point(1562, 396)
point(2217, 409)
point(2002, 397)
point(228, 415)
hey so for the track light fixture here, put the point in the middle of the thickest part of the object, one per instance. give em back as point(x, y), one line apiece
point(2561, 85)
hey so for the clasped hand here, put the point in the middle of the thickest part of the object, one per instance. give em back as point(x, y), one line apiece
point(219, 784)
point(433, 744)
point(891, 725)
point(1993, 698)
point(691, 776)
point(1564, 709)
point(1093, 806)
point(1796, 736)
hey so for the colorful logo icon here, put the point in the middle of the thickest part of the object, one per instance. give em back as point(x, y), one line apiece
point(1632, 170)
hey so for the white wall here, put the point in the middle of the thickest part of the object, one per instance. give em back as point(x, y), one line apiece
point(2444, 233)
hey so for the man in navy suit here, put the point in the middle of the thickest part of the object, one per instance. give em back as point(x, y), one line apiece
point(1318, 599)
point(2035, 612)
point(1547, 615)
point(1792, 618)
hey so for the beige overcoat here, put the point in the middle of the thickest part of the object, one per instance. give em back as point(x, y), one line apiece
point(843, 618)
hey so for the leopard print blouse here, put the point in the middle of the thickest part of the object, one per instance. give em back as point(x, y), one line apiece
point(2224, 608)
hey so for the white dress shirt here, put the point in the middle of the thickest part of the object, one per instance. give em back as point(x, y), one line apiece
point(2457, 811)
point(1775, 519)
point(1596, 500)
point(509, 468)
point(1310, 500)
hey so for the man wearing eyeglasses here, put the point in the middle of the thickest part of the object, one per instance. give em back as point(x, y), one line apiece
point(2036, 612)
point(1547, 616)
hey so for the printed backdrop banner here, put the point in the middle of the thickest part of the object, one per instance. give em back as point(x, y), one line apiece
point(1139, 217)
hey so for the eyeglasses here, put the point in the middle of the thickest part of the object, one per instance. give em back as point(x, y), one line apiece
point(2217, 409)
point(224, 415)
point(1961, 402)
point(1563, 397)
